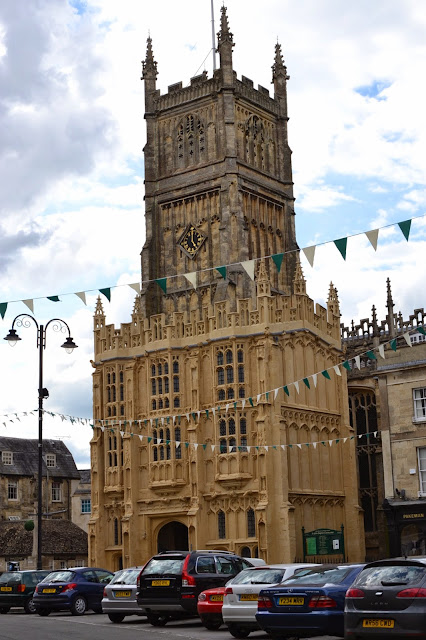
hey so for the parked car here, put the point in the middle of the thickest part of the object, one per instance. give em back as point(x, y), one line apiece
point(119, 598)
point(170, 582)
point(17, 588)
point(388, 600)
point(307, 605)
point(76, 589)
point(241, 594)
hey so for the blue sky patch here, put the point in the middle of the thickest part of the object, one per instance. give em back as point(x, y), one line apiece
point(374, 89)
point(79, 5)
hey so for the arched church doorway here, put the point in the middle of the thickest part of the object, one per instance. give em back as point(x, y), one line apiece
point(174, 535)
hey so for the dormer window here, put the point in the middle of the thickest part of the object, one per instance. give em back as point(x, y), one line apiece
point(50, 460)
point(7, 457)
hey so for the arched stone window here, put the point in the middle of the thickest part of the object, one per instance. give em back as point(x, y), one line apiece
point(251, 524)
point(191, 143)
point(221, 525)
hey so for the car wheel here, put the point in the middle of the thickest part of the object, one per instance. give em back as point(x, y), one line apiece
point(43, 612)
point(29, 606)
point(78, 606)
point(212, 625)
point(156, 619)
point(238, 632)
point(4, 609)
point(116, 617)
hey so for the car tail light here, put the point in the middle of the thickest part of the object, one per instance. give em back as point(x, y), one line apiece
point(354, 593)
point(412, 593)
point(69, 586)
point(187, 580)
point(21, 588)
point(104, 593)
point(36, 589)
point(263, 602)
point(202, 597)
point(228, 591)
point(322, 602)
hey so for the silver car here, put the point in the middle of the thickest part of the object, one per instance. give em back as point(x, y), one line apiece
point(119, 598)
point(241, 593)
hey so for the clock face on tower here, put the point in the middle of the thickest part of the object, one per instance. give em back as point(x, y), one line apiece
point(191, 240)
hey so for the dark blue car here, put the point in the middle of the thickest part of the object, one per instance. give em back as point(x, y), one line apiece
point(75, 590)
point(309, 605)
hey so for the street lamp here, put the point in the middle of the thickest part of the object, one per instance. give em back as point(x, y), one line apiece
point(23, 320)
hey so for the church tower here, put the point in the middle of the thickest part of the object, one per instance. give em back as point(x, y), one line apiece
point(205, 431)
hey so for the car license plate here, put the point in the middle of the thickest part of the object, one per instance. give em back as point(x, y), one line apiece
point(5, 588)
point(122, 594)
point(378, 623)
point(216, 598)
point(291, 600)
point(49, 590)
point(160, 583)
point(248, 596)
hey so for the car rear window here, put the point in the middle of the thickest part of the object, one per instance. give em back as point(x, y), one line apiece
point(320, 577)
point(205, 564)
point(59, 576)
point(127, 576)
point(259, 576)
point(11, 577)
point(164, 565)
point(386, 575)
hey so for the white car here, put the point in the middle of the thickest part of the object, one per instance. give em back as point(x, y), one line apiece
point(240, 598)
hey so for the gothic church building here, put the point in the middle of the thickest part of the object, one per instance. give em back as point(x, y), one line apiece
point(201, 439)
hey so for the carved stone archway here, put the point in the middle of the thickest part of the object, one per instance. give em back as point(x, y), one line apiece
point(173, 536)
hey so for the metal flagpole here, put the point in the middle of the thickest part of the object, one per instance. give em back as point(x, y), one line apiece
point(213, 38)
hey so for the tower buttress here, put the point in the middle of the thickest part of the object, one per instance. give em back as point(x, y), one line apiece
point(99, 316)
point(299, 282)
point(225, 43)
point(390, 314)
point(333, 306)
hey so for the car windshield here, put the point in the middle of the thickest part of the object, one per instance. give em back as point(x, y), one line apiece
point(384, 576)
point(258, 576)
point(320, 577)
point(11, 577)
point(59, 576)
point(164, 565)
point(127, 576)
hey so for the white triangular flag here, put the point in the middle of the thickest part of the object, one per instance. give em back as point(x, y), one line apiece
point(406, 337)
point(276, 392)
point(358, 361)
point(214, 411)
point(177, 443)
point(226, 408)
point(162, 421)
point(140, 437)
point(213, 446)
point(248, 266)
point(315, 378)
point(258, 397)
point(82, 296)
point(192, 278)
point(373, 236)
point(266, 448)
point(375, 434)
point(198, 415)
point(243, 403)
point(135, 286)
point(330, 442)
point(337, 370)
point(382, 350)
point(102, 429)
point(173, 419)
point(310, 254)
point(122, 434)
point(195, 445)
point(314, 444)
point(344, 440)
point(30, 304)
point(299, 445)
point(283, 447)
point(296, 384)
point(187, 416)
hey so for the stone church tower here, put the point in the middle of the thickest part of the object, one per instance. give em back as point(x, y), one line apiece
point(196, 443)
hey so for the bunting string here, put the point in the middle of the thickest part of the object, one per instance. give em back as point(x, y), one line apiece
point(247, 265)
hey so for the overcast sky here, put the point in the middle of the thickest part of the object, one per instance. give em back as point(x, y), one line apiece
point(71, 166)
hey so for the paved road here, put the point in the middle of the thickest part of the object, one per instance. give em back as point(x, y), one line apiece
point(16, 625)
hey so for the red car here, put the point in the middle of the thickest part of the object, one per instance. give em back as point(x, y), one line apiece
point(209, 607)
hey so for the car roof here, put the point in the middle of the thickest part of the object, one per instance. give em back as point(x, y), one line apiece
point(415, 560)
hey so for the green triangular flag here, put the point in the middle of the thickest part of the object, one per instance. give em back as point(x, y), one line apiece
point(393, 344)
point(341, 245)
point(186, 444)
point(207, 414)
point(326, 374)
point(286, 391)
point(107, 293)
point(53, 298)
point(251, 401)
point(235, 406)
point(267, 396)
point(204, 446)
point(162, 283)
point(346, 365)
point(306, 381)
point(149, 438)
point(421, 330)
point(278, 260)
point(371, 355)
point(3, 307)
point(405, 227)
point(222, 271)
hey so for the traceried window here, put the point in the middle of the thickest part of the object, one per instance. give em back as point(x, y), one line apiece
point(114, 392)
point(221, 525)
point(191, 143)
point(164, 391)
point(232, 437)
point(419, 396)
point(112, 450)
point(251, 524)
point(162, 447)
point(230, 379)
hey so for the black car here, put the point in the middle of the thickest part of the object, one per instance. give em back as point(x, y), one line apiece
point(17, 588)
point(76, 590)
point(170, 582)
point(388, 600)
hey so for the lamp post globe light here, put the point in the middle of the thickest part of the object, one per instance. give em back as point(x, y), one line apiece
point(24, 320)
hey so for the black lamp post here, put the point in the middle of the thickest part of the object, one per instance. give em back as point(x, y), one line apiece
point(23, 320)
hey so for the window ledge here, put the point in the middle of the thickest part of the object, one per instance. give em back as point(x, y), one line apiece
point(418, 420)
